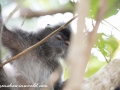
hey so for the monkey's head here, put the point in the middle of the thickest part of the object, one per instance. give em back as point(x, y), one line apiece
point(57, 45)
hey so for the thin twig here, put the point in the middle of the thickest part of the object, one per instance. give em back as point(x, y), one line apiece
point(105, 58)
point(37, 44)
point(24, 19)
point(111, 25)
point(93, 24)
point(11, 14)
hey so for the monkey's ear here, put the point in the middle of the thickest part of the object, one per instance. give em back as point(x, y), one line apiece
point(10, 39)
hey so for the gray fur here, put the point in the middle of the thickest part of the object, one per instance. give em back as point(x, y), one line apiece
point(37, 65)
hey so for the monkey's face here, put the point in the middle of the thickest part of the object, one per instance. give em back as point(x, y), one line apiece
point(58, 44)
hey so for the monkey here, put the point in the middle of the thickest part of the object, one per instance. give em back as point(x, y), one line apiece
point(37, 65)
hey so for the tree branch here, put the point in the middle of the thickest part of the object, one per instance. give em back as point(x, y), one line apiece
point(107, 78)
point(31, 13)
point(80, 49)
point(77, 58)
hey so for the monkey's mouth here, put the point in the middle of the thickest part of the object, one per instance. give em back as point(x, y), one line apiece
point(58, 50)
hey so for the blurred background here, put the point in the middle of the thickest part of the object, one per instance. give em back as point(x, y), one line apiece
point(35, 14)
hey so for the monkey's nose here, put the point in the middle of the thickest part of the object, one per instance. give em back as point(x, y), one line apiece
point(58, 50)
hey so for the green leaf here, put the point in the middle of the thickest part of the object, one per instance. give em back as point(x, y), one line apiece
point(113, 8)
point(106, 44)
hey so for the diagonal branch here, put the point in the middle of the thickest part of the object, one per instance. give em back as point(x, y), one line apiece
point(107, 78)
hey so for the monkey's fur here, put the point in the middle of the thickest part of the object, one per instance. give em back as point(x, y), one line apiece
point(37, 65)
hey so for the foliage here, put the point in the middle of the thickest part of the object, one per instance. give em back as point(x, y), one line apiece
point(113, 8)
point(107, 45)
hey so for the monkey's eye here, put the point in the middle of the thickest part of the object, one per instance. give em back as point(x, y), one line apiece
point(59, 37)
point(67, 43)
